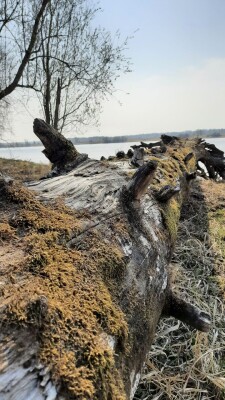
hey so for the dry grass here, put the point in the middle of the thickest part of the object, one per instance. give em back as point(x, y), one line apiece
point(215, 200)
point(185, 364)
point(23, 170)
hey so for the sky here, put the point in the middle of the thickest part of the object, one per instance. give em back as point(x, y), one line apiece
point(178, 69)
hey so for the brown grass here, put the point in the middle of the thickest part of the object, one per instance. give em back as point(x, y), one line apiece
point(23, 170)
point(215, 200)
point(185, 364)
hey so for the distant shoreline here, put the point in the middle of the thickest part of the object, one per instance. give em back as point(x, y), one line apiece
point(201, 133)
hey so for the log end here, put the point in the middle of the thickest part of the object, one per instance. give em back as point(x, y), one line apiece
point(40, 126)
point(59, 150)
point(167, 192)
point(141, 180)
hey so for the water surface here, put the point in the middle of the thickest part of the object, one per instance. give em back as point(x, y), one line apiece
point(34, 153)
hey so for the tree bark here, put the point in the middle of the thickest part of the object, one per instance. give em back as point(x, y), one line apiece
point(57, 103)
point(129, 219)
point(60, 151)
point(212, 158)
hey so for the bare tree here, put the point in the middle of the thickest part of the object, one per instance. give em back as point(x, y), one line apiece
point(16, 17)
point(75, 65)
point(52, 47)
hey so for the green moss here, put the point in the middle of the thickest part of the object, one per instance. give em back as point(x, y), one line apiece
point(171, 168)
point(171, 216)
point(64, 295)
point(6, 231)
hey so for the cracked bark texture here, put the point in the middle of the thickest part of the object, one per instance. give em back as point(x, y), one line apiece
point(136, 211)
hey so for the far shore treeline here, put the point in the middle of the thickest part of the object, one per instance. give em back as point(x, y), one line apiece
point(204, 133)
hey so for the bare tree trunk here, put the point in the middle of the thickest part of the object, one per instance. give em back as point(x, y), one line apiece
point(47, 95)
point(120, 281)
point(46, 62)
point(57, 104)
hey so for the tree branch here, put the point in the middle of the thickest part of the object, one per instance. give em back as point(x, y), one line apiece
point(9, 89)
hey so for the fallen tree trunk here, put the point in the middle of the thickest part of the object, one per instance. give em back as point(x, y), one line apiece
point(79, 316)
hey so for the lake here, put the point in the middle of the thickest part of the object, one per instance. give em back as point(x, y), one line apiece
point(93, 150)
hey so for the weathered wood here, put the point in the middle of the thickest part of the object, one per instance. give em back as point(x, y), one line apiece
point(166, 192)
point(120, 154)
point(188, 157)
point(191, 176)
point(166, 139)
point(132, 214)
point(146, 145)
point(137, 159)
point(140, 181)
point(212, 158)
point(187, 313)
point(22, 376)
point(59, 150)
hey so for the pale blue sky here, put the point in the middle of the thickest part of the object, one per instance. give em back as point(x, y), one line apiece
point(172, 33)
point(178, 56)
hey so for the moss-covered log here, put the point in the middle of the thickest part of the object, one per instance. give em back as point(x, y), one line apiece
point(80, 311)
